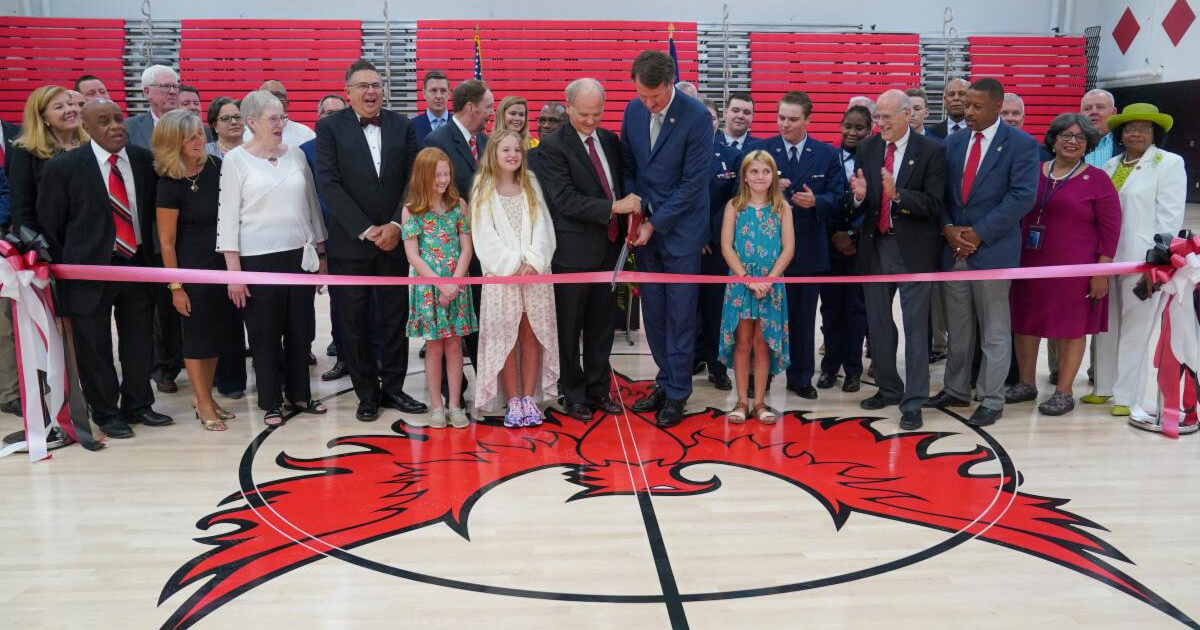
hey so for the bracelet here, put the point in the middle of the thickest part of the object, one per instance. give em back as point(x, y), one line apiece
point(174, 286)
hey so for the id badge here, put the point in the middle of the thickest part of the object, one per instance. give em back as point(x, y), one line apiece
point(1035, 237)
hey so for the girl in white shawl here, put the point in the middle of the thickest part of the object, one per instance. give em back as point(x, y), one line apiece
point(513, 236)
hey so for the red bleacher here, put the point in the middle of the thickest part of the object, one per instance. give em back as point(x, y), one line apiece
point(536, 59)
point(40, 51)
point(1048, 73)
point(831, 68)
point(233, 57)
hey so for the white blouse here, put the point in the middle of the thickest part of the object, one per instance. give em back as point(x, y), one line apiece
point(265, 208)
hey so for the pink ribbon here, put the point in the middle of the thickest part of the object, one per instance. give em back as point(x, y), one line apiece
point(1177, 400)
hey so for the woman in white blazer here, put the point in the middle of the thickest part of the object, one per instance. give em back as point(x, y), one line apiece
point(513, 235)
point(1152, 185)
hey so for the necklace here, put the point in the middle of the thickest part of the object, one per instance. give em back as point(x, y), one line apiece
point(1127, 162)
point(195, 187)
point(1055, 180)
point(224, 149)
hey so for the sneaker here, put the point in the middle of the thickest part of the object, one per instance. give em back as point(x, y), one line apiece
point(1094, 399)
point(459, 419)
point(1146, 423)
point(533, 415)
point(1019, 393)
point(437, 418)
point(1057, 405)
point(514, 416)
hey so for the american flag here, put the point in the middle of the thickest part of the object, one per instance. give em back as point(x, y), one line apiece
point(670, 50)
point(478, 56)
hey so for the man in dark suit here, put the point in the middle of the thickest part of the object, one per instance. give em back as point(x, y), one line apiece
point(580, 172)
point(666, 153)
point(814, 182)
point(436, 89)
point(991, 182)
point(364, 159)
point(97, 209)
point(464, 141)
point(739, 114)
point(899, 187)
point(954, 98)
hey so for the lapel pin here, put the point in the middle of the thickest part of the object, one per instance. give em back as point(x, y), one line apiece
point(999, 149)
point(1086, 177)
point(671, 120)
point(910, 162)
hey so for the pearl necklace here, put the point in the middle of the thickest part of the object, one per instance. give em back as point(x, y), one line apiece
point(1126, 162)
point(1055, 180)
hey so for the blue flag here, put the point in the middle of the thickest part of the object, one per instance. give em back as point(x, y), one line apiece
point(671, 50)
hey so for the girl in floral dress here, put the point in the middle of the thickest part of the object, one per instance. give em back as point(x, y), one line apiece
point(437, 241)
point(757, 241)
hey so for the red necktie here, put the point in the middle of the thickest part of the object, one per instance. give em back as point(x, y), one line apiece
point(613, 230)
point(1, 155)
point(126, 242)
point(972, 165)
point(474, 149)
point(885, 205)
point(369, 121)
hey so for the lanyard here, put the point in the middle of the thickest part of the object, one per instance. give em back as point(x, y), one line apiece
point(1051, 188)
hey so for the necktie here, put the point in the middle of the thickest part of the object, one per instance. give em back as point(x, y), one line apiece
point(1, 155)
point(885, 205)
point(613, 230)
point(972, 165)
point(125, 245)
point(474, 149)
point(369, 121)
point(655, 127)
point(736, 144)
point(794, 156)
point(437, 123)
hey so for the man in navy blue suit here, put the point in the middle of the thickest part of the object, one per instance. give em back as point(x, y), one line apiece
point(814, 181)
point(666, 146)
point(991, 182)
point(436, 89)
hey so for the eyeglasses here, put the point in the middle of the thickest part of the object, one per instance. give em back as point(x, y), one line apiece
point(230, 118)
point(366, 86)
point(170, 87)
point(273, 120)
point(1072, 137)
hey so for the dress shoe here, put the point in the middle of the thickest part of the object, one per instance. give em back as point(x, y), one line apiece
point(312, 359)
point(652, 402)
point(697, 367)
point(149, 417)
point(607, 405)
point(804, 391)
point(339, 370)
point(402, 402)
point(720, 380)
point(238, 395)
point(368, 411)
point(116, 429)
point(871, 372)
point(331, 350)
point(851, 383)
point(671, 413)
point(878, 401)
point(984, 417)
point(910, 420)
point(826, 380)
point(579, 411)
point(934, 357)
point(13, 406)
point(943, 400)
point(167, 386)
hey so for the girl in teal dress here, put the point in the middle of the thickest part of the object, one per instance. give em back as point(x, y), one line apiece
point(757, 241)
point(437, 241)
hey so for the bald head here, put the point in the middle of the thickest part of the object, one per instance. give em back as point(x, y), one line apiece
point(276, 88)
point(891, 114)
point(102, 120)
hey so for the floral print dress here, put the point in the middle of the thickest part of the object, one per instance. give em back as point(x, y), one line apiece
point(758, 241)
point(438, 241)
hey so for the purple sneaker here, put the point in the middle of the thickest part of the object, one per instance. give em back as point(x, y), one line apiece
point(533, 415)
point(515, 415)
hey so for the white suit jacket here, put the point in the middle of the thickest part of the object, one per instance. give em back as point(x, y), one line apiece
point(1152, 201)
point(501, 249)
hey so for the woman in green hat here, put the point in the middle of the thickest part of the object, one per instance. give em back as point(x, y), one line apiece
point(1152, 185)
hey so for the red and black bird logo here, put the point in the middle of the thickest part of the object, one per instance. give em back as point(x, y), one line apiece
point(416, 478)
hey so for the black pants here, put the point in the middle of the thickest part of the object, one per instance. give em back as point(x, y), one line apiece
point(134, 310)
point(843, 321)
point(354, 319)
point(585, 318)
point(712, 300)
point(802, 326)
point(168, 335)
point(231, 365)
point(335, 327)
point(281, 321)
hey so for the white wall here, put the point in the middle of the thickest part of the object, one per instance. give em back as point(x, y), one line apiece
point(1150, 50)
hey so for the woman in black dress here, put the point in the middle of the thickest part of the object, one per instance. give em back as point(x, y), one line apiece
point(187, 230)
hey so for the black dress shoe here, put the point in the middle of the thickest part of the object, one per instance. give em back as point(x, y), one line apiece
point(944, 399)
point(671, 413)
point(116, 429)
point(720, 381)
point(934, 357)
point(13, 406)
point(652, 402)
point(910, 420)
point(852, 383)
point(368, 411)
point(312, 359)
point(238, 395)
point(167, 386)
point(579, 411)
point(402, 402)
point(697, 367)
point(338, 371)
point(878, 401)
point(607, 405)
point(826, 380)
point(149, 417)
point(984, 417)
point(805, 391)
point(331, 350)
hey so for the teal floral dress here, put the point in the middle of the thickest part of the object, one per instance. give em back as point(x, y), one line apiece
point(758, 241)
point(438, 241)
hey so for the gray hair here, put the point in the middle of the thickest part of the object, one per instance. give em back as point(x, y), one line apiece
point(865, 101)
point(149, 73)
point(580, 86)
point(255, 102)
point(1013, 98)
point(687, 87)
point(1112, 102)
point(1063, 122)
point(902, 100)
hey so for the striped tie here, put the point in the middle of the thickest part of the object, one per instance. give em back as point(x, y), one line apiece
point(125, 245)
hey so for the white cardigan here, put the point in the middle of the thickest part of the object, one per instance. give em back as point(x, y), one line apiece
point(500, 249)
point(1152, 201)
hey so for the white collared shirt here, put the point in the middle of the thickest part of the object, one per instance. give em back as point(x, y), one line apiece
point(467, 135)
point(374, 136)
point(126, 171)
point(663, 112)
point(436, 122)
point(848, 163)
point(603, 159)
point(988, 135)
point(738, 143)
point(787, 148)
point(897, 159)
point(950, 126)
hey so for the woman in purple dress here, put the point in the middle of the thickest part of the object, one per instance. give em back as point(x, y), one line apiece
point(1075, 220)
